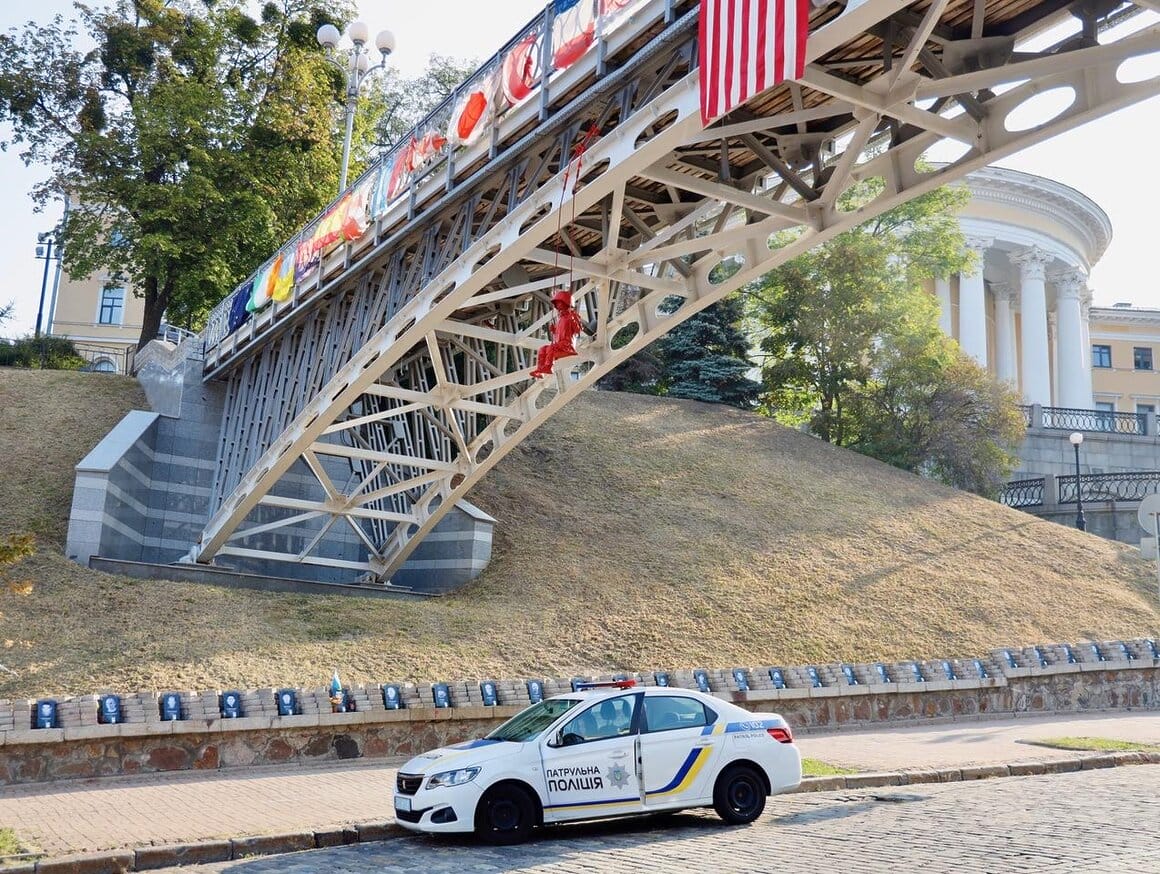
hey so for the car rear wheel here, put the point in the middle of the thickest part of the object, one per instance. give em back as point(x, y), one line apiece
point(505, 815)
point(739, 796)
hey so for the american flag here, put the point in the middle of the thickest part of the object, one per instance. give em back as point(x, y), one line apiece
point(747, 46)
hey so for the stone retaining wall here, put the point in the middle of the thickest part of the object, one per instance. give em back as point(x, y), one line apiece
point(1042, 680)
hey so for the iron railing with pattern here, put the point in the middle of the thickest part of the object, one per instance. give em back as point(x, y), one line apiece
point(1022, 493)
point(1131, 486)
point(1106, 421)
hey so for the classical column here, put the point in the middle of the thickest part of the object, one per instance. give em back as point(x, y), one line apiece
point(942, 291)
point(1004, 333)
point(972, 305)
point(1036, 369)
point(1075, 387)
point(1086, 328)
point(1053, 347)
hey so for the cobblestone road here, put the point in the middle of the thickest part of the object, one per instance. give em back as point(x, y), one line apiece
point(1088, 821)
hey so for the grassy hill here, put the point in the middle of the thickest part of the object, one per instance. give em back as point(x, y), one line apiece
point(634, 533)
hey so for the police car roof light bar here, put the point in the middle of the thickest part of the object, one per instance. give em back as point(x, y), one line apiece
point(605, 684)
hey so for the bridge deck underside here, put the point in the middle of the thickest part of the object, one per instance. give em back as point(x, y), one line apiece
point(402, 374)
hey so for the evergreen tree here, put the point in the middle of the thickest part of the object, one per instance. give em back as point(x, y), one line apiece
point(706, 358)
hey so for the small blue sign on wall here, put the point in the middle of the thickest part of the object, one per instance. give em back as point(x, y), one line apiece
point(45, 714)
point(1010, 659)
point(918, 675)
point(949, 670)
point(535, 691)
point(815, 678)
point(392, 696)
point(1125, 652)
point(702, 680)
point(1041, 657)
point(980, 670)
point(1096, 652)
point(109, 710)
point(287, 702)
point(848, 673)
point(490, 696)
point(441, 695)
point(741, 678)
point(661, 678)
point(1067, 651)
point(231, 705)
point(1153, 648)
point(777, 678)
point(883, 675)
point(171, 707)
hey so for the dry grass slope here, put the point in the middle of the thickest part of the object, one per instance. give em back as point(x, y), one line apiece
point(634, 532)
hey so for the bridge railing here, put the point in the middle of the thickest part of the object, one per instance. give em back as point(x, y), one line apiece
point(539, 36)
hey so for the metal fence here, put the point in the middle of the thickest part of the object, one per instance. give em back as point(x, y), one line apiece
point(1133, 486)
point(1022, 493)
point(107, 359)
point(1105, 421)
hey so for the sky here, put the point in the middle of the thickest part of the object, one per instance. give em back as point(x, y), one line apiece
point(1104, 159)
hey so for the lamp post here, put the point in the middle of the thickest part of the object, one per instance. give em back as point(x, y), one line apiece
point(356, 73)
point(44, 244)
point(1076, 439)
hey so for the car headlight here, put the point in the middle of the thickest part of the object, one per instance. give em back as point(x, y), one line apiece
point(452, 778)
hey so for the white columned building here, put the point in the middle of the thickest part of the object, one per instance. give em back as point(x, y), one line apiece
point(1023, 313)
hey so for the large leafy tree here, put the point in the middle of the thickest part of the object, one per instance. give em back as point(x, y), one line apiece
point(825, 318)
point(852, 347)
point(191, 140)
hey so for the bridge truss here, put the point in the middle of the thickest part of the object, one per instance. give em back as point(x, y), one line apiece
point(411, 363)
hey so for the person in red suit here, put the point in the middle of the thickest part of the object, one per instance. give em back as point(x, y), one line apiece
point(564, 332)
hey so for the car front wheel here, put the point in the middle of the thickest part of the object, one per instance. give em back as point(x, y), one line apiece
point(505, 815)
point(739, 796)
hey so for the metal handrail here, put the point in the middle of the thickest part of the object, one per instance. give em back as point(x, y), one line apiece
point(1131, 486)
point(1097, 421)
point(1022, 493)
point(217, 322)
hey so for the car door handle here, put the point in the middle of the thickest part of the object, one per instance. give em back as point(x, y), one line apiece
point(619, 756)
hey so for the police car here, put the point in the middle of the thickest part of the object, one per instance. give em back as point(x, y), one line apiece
point(611, 749)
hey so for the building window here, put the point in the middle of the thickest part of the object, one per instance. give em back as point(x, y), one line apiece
point(1105, 415)
point(1142, 357)
point(112, 306)
point(1142, 409)
point(1101, 356)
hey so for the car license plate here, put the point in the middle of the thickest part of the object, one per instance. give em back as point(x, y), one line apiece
point(403, 804)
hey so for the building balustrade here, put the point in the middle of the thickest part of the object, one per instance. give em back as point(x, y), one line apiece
point(1094, 421)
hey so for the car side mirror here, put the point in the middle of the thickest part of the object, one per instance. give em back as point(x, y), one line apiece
point(557, 740)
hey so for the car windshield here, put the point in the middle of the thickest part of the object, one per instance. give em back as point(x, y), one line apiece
point(527, 724)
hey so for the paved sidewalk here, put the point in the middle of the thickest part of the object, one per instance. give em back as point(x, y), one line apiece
point(192, 807)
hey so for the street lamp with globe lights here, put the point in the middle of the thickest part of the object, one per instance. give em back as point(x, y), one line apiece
point(1076, 439)
point(356, 73)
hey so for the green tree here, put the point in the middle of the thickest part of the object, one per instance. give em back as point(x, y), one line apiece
point(931, 409)
point(192, 140)
point(705, 358)
point(852, 347)
point(6, 311)
point(825, 318)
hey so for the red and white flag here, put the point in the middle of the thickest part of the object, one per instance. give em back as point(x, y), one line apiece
point(747, 46)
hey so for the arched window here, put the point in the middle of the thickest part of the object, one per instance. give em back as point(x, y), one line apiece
point(103, 365)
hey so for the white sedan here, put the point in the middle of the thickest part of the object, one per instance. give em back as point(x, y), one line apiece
point(610, 751)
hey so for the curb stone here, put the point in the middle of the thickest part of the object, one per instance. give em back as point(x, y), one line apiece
point(171, 855)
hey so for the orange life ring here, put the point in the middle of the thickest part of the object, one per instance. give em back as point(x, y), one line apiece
point(467, 117)
point(521, 69)
point(568, 53)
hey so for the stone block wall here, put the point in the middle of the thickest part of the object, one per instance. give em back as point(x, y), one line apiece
point(1059, 678)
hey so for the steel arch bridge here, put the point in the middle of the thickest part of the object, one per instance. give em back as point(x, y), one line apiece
point(406, 357)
